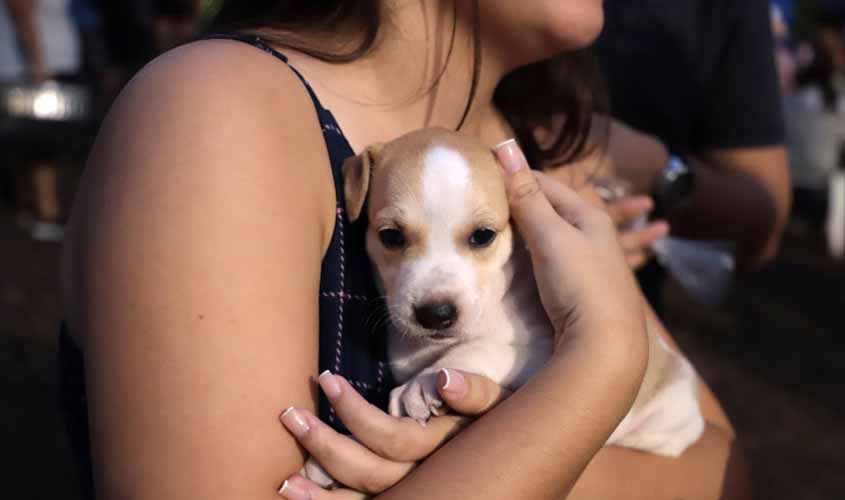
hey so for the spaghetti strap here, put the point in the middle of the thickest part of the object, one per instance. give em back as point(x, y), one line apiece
point(350, 343)
point(257, 42)
point(336, 144)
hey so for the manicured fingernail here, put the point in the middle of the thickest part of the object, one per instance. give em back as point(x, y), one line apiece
point(452, 381)
point(329, 384)
point(511, 157)
point(291, 492)
point(295, 422)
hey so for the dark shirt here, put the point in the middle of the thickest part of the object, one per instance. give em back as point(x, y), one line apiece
point(698, 74)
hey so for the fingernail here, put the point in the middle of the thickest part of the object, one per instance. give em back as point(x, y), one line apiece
point(329, 384)
point(511, 157)
point(295, 422)
point(291, 492)
point(662, 227)
point(452, 381)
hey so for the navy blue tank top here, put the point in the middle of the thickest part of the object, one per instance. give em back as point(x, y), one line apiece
point(352, 340)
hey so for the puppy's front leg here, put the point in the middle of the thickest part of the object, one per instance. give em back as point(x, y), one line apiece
point(313, 471)
point(504, 364)
point(418, 398)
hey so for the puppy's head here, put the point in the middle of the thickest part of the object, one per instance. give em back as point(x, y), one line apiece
point(439, 233)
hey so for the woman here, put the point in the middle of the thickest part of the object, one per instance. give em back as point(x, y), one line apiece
point(194, 297)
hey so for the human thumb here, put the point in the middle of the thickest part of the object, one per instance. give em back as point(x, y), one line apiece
point(469, 394)
point(530, 209)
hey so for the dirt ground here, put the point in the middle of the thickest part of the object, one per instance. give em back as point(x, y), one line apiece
point(772, 354)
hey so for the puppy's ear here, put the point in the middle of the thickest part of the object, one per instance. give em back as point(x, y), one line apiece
point(356, 180)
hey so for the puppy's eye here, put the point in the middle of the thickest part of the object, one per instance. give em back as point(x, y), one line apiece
point(392, 239)
point(482, 238)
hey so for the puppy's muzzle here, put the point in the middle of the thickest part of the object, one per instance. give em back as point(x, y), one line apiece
point(436, 315)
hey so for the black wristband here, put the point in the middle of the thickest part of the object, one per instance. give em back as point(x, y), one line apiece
point(673, 186)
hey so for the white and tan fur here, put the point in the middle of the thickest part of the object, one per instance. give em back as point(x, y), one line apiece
point(438, 188)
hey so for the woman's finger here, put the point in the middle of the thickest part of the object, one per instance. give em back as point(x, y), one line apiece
point(469, 394)
point(640, 239)
point(529, 206)
point(398, 439)
point(573, 207)
point(625, 211)
point(299, 488)
point(636, 260)
point(346, 460)
point(637, 244)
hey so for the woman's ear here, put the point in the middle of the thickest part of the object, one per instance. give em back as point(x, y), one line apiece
point(356, 180)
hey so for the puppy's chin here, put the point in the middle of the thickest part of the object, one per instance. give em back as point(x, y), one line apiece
point(411, 330)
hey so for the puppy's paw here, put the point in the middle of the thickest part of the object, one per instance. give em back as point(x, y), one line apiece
point(315, 472)
point(417, 399)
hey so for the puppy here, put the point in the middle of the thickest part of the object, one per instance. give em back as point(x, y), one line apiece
point(460, 290)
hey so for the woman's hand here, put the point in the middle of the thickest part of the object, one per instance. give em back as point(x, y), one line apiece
point(383, 449)
point(636, 239)
point(582, 274)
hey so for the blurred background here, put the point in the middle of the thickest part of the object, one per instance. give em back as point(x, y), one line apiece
point(771, 347)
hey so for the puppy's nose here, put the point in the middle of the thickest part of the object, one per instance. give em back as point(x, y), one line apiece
point(436, 315)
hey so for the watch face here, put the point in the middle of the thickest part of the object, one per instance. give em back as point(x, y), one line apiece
point(675, 169)
point(676, 184)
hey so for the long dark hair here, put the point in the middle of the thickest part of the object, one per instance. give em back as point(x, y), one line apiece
point(568, 86)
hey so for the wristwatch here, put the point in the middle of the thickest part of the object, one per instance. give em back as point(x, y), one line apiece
point(673, 186)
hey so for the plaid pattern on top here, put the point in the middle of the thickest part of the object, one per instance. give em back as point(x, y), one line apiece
point(352, 323)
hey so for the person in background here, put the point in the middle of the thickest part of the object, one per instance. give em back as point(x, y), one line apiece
point(696, 123)
point(38, 42)
point(828, 58)
point(814, 110)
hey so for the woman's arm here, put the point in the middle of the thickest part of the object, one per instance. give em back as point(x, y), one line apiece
point(206, 209)
point(713, 468)
point(716, 460)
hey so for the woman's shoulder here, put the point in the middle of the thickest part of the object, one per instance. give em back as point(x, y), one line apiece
point(210, 77)
point(230, 61)
point(210, 139)
point(219, 109)
point(216, 107)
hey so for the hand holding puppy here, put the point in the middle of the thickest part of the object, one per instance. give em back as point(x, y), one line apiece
point(383, 449)
point(585, 287)
point(582, 275)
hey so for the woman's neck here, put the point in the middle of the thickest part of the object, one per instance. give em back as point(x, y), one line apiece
point(417, 75)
